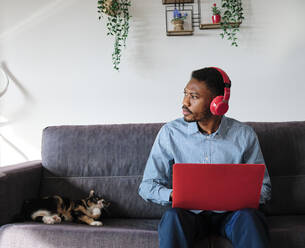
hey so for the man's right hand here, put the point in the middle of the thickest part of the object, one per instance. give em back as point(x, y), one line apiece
point(171, 196)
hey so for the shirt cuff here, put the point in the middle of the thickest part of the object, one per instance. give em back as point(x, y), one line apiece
point(165, 194)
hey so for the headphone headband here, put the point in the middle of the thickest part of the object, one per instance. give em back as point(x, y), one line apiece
point(224, 75)
point(227, 82)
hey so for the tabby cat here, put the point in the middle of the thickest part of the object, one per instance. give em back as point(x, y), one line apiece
point(55, 209)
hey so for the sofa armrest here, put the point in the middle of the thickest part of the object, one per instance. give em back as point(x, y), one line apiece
point(17, 183)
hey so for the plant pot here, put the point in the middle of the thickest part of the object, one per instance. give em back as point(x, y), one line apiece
point(178, 25)
point(108, 10)
point(216, 19)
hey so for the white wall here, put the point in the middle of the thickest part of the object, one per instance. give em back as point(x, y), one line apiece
point(59, 60)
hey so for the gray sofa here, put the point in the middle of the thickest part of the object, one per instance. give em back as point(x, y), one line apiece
point(111, 159)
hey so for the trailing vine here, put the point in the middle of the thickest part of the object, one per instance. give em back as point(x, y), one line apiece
point(231, 18)
point(118, 16)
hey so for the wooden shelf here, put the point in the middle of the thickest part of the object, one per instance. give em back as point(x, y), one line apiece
point(179, 33)
point(216, 26)
point(177, 1)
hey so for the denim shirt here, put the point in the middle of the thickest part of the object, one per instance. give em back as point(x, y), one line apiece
point(179, 141)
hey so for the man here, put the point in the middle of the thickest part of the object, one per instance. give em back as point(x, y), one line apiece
point(203, 137)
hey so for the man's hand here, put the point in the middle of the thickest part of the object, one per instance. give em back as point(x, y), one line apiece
point(171, 196)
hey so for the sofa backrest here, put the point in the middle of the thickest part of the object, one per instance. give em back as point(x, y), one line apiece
point(283, 147)
point(111, 159)
point(107, 158)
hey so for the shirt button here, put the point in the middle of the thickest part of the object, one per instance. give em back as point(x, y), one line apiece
point(206, 158)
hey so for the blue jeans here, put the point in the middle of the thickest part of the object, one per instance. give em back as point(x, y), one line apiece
point(180, 228)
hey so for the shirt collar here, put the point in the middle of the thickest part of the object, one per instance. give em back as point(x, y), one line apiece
point(193, 127)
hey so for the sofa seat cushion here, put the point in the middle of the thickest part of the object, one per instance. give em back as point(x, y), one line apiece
point(115, 233)
point(287, 231)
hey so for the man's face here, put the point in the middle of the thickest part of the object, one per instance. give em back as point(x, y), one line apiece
point(196, 101)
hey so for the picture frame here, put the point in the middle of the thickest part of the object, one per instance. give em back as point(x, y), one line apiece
point(174, 29)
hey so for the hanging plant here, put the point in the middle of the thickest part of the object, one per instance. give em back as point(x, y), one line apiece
point(231, 19)
point(118, 16)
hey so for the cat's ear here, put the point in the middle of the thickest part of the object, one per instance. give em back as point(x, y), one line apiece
point(91, 193)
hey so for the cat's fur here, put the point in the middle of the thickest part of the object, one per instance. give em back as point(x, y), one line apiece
point(55, 209)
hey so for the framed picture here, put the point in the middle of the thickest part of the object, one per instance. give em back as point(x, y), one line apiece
point(179, 21)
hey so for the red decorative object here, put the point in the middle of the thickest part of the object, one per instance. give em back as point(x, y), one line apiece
point(216, 19)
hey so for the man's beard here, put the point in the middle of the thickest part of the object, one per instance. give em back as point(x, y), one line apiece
point(202, 116)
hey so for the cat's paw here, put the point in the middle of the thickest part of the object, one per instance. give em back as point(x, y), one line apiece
point(48, 220)
point(96, 223)
point(56, 218)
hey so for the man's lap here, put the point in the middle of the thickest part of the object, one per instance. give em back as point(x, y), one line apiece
point(207, 222)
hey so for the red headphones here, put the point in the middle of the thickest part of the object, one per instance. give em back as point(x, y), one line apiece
point(220, 105)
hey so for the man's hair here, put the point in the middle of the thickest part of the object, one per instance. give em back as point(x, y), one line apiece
point(212, 78)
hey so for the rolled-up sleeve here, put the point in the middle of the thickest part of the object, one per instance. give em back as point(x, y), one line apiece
point(156, 179)
point(253, 155)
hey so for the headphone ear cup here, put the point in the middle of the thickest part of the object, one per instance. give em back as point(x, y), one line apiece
point(218, 106)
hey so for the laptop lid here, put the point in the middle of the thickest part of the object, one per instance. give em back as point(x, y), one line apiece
point(217, 186)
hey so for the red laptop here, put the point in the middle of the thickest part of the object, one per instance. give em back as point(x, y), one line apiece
point(217, 186)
